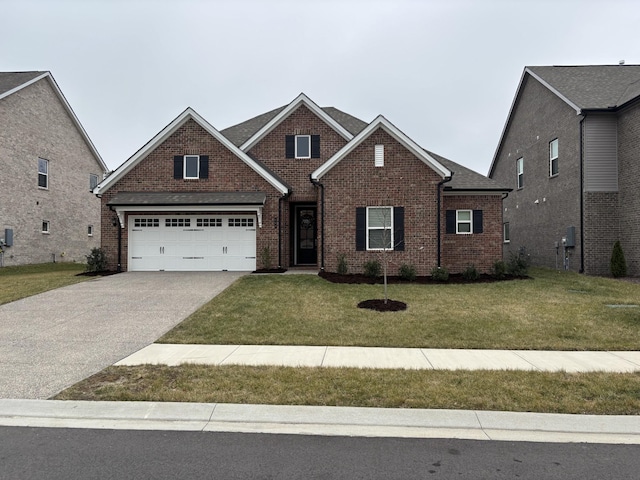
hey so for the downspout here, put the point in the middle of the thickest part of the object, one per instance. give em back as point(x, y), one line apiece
point(582, 194)
point(317, 183)
point(280, 200)
point(444, 180)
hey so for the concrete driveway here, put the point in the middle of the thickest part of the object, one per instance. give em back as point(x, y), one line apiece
point(53, 340)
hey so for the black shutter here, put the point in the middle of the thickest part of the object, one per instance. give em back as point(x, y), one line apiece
point(361, 228)
point(477, 221)
point(177, 166)
point(398, 228)
point(451, 221)
point(204, 166)
point(290, 146)
point(315, 146)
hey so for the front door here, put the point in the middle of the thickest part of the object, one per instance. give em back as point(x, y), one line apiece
point(306, 245)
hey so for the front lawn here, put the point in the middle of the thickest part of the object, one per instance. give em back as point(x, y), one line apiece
point(551, 311)
point(24, 281)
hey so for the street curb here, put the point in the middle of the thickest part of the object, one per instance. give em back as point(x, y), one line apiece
point(326, 421)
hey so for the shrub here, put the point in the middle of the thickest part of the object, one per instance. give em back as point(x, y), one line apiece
point(265, 256)
point(96, 260)
point(440, 274)
point(618, 262)
point(499, 269)
point(343, 268)
point(471, 274)
point(518, 264)
point(408, 272)
point(372, 268)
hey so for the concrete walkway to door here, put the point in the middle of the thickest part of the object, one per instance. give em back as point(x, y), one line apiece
point(52, 340)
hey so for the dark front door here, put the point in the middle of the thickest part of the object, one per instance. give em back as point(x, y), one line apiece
point(306, 245)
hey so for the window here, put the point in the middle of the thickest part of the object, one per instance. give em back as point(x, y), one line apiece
point(520, 172)
point(93, 181)
point(177, 222)
point(146, 222)
point(241, 222)
point(90, 231)
point(190, 167)
point(303, 146)
point(43, 173)
point(379, 156)
point(463, 221)
point(505, 231)
point(553, 158)
point(46, 226)
point(379, 228)
point(209, 222)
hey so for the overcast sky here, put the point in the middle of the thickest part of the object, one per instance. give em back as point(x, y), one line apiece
point(443, 71)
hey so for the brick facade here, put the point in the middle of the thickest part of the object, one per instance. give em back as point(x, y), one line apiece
point(540, 213)
point(35, 124)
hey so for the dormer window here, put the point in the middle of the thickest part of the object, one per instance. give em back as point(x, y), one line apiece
point(190, 167)
point(302, 146)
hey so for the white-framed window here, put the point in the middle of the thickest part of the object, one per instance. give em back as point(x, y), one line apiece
point(90, 230)
point(379, 156)
point(146, 222)
point(240, 222)
point(46, 226)
point(191, 166)
point(379, 228)
point(520, 172)
point(303, 146)
point(464, 221)
point(43, 173)
point(553, 157)
point(177, 222)
point(505, 232)
point(93, 181)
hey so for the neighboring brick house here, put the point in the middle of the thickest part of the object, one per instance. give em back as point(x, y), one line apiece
point(296, 186)
point(571, 150)
point(48, 168)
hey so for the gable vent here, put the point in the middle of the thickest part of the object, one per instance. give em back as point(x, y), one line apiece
point(379, 156)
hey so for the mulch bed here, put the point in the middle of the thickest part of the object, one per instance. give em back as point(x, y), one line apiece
point(102, 273)
point(453, 279)
point(380, 305)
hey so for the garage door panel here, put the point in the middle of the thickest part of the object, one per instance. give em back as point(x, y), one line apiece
point(192, 243)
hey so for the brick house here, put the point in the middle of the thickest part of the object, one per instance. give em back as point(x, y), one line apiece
point(296, 186)
point(570, 149)
point(48, 168)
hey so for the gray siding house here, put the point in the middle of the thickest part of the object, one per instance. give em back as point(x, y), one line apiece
point(48, 167)
point(570, 148)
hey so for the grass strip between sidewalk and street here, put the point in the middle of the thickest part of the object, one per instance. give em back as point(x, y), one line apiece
point(577, 393)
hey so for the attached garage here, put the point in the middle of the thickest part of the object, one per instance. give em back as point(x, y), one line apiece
point(190, 231)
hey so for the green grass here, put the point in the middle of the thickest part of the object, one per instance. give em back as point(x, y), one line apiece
point(554, 311)
point(24, 281)
point(583, 393)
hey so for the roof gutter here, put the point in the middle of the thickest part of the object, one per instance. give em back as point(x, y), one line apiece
point(442, 182)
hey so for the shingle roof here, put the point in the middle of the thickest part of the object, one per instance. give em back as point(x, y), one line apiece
point(592, 86)
point(465, 179)
point(11, 80)
point(240, 133)
point(187, 198)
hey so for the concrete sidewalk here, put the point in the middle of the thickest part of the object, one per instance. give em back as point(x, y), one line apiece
point(327, 421)
point(378, 357)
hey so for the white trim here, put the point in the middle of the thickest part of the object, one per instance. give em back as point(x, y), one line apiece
point(70, 111)
point(378, 157)
point(383, 228)
point(46, 231)
point(184, 167)
point(519, 171)
point(381, 122)
point(188, 114)
point(556, 158)
point(458, 222)
point(46, 174)
point(553, 90)
point(122, 210)
point(301, 99)
point(295, 143)
point(505, 230)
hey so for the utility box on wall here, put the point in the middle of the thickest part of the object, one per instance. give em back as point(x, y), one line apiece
point(571, 237)
point(8, 237)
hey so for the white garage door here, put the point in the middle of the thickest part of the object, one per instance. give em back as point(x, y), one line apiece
point(190, 243)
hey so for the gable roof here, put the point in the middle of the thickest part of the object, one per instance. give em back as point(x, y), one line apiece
point(12, 82)
point(590, 87)
point(189, 114)
point(282, 113)
point(466, 180)
point(387, 126)
point(584, 88)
